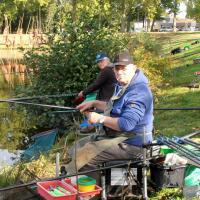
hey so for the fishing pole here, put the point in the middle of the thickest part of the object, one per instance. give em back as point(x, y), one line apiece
point(191, 134)
point(17, 100)
point(192, 143)
point(69, 109)
point(182, 150)
point(43, 97)
point(193, 108)
point(41, 105)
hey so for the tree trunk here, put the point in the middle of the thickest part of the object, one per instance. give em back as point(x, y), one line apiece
point(152, 25)
point(101, 6)
point(74, 7)
point(128, 24)
point(123, 17)
point(174, 23)
point(143, 20)
point(148, 25)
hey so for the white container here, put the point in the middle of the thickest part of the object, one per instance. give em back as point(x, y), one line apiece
point(190, 192)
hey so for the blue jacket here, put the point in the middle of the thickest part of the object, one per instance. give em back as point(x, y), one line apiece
point(135, 109)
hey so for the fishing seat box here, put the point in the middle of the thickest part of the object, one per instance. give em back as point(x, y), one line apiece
point(166, 176)
point(43, 190)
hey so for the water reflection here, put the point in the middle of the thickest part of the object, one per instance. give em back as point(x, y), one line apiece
point(12, 124)
point(13, 72)
point(8, 158)
point(12, 69)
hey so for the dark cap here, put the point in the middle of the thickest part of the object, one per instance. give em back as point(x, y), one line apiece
point(101, 56)
point(123, 59)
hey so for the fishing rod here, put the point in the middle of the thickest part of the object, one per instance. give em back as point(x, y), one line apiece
point(183, 151)
point(17, 100)
point(186, 141)
point(192, 143)
point(41, 105)
point(193, 108)
point(42, 97)
point(191, 135)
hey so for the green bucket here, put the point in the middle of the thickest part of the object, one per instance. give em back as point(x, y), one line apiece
point(90, 97)
point(192, 176)
point(164, 150)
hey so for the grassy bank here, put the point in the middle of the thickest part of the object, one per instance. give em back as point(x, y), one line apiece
point(177, 94)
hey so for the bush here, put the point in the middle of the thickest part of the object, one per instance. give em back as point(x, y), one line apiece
point(67, 64)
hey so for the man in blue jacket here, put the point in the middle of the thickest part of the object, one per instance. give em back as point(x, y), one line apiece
point(129, 111)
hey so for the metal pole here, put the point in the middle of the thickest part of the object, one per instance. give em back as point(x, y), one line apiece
point(191, 134)
point(57, 164)
point(188, 141)
point(103, 185)
point(184, 149)
point(144, 169)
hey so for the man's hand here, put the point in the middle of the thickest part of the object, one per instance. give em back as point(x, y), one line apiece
point(80, 94)
point(93, 117)
point(85, 106)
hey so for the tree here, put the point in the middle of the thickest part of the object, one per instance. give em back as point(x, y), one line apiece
point(173, 7)
point(193, 9)
point(15, 10)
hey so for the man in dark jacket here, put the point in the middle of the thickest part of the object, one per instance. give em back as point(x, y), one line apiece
point(105, 82)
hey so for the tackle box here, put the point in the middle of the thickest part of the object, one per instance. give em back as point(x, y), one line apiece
point(44, 189)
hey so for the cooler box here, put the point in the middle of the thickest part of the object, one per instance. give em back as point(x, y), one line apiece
point(44, 190)
point(166, 176)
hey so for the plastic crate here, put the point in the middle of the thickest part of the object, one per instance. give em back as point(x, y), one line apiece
point(43, 190)
point(166, 176)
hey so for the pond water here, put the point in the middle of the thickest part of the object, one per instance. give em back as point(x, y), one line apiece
point(11, 122)
point(8, 158)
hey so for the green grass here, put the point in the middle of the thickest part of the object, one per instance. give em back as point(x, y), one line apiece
point(177, 123)
point(176, 95)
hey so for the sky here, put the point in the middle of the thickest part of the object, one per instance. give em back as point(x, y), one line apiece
point(182, 13)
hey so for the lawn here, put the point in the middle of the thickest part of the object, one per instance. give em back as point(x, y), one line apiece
point(177, 95)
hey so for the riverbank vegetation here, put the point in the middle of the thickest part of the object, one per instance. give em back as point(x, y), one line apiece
point(66, 64)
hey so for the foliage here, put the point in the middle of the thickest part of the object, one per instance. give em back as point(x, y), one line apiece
point(13, 126)
point(68, 64)
point(27, 171)
point(14, 122)
point(24, 10)
point(119, 14)
point(146, 53)
point(193, 9)
point(168, 193)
